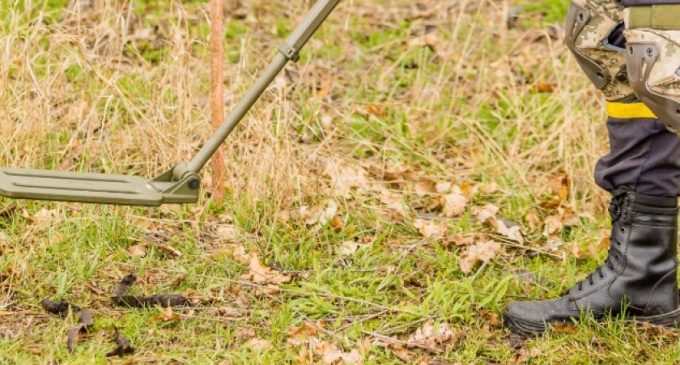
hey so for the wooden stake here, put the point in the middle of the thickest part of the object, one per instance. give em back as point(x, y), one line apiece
point(217, 91)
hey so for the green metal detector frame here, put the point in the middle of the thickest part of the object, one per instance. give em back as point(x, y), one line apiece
point(180, 185)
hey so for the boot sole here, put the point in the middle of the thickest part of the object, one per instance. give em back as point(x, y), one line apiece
point(530, 328)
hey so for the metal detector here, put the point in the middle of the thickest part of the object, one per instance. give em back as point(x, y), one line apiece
point(181, 184)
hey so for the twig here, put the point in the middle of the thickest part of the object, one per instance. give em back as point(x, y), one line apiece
point(217, 92)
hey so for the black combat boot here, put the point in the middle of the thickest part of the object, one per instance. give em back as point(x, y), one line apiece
point(638, 278)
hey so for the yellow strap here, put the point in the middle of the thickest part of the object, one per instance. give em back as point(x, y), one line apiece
point(629, 111)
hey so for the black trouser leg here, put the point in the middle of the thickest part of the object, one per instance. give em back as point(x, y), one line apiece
point(644, 157)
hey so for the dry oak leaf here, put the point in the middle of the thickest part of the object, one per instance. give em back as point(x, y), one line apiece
point(430, 229)
point(137, 251)
point(237, 252)
point(259, 344)
point(480, 252)
point(462, 240)
point(344, 178)
point(454, 203)
point(509, 230)
point(323, 214)
point(444, 187)
point(394, 202)
point(552, 225)
point(260, 274)
point(431, 337)
point(486, 213)
point(306, 335)
point(227, 232)
point(349, 248)
point(168, 315)
point(301, 334)
point(332, 355)
point(44, 217)
point(425, 187)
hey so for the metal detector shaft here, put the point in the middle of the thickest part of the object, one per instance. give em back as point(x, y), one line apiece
point(179, 185)
point(289, 51)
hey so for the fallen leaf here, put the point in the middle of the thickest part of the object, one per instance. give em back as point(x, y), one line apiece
point(532, 220)
point(553, 244)
point(305, 336)
point(559, 187)
point(323, 214)
point(348, 248)
point(462, 240)
point(552, 225)
point(332, 355)
point(167, 314)
point(486, 213)
point(430, 229)
point(509, 230)
point(376, 110)
point(480, 252)
point(444, 187)
point(490, 318)
point(576, 251)
point(394, 203)
point(234, 251)
point(337, 223)
point(227, 232)
point(137, 251)
point(259, 344)
point(344, 178)
point(267, 278)
point(544, 87)
point(454, 203)
point(424, 187)
point(431, 337)
point(430, 40)
point(44, 217)
point(299, 335)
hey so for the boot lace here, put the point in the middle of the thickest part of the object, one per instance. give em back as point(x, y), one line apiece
point(618, 209)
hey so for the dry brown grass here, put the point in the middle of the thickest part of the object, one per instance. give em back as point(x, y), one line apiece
point(99, 125)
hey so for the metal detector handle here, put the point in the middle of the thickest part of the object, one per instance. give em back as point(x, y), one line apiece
point(289, 51)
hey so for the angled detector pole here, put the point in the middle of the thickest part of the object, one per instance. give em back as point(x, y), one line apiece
point(181, 184)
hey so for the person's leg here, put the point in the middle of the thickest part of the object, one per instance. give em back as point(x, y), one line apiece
point(644, 156)
point(642, 171)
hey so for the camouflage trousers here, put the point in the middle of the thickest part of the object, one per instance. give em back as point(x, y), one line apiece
point(633, 56)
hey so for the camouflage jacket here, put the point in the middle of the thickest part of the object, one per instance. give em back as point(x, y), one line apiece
point(648, 2)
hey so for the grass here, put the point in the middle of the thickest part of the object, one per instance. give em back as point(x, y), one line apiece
point(123, 87)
